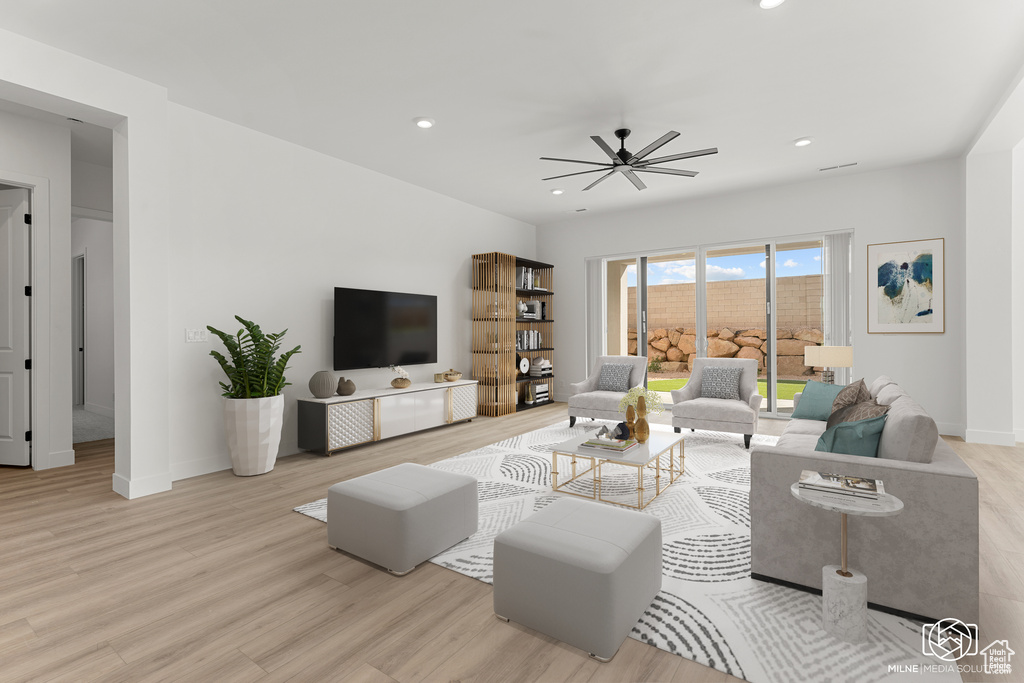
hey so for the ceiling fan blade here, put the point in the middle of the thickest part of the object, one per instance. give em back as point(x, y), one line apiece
point(667, 137)
point(606, 149)
point(669, 171)
point(599, 180)
point(684, 155)
point(593, 170)
point(577, 161)
point(639, 184)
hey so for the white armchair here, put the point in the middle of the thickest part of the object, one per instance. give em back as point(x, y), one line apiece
point(587, 400)
point(691, 409)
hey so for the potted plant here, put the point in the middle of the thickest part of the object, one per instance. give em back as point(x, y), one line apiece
point(253, 405)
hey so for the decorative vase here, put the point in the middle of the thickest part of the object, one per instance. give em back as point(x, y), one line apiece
point(253, 427)
point(322, 384)
point(346, 387)
point(642, 429)
point(453, 375)
point(401, 382)
point(631, 421)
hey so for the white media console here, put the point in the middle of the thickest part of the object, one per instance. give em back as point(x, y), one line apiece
point(332, 424)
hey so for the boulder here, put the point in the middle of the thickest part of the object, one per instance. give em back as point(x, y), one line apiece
point(690, 330)
point(792, 347)
point(682, 330)
point(659, 333)
point(675, 355)
point(753, 342)
point(712, 333)
point(792, 366)
point(687, 344)
point(719, 348)
point(655, 355)
point(632, 347)
point(809, 335)
point(726, 334)
point(631, 334)
point(764, 347)
point(669, 366)
point(760, 334)
point(690, 359)
point(751, 352)
point(662, 343)
point(673, 337)
point(783, 333)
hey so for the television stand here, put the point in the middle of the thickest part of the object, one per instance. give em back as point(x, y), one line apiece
point(328, 425)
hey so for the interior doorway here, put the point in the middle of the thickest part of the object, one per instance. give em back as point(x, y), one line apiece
point(78, 330)
point(15, 327)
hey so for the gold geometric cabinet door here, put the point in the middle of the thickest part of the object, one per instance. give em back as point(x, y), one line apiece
point(463, 402)
point(349, 423)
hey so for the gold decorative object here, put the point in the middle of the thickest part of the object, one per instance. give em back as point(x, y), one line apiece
point(642, 429)
point(631, 421)
point(438, 377)
point(453, 375)
point(401, 382)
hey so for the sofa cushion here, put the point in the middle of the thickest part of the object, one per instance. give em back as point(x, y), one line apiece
point(596, 400)
point(816, 401)
point(888, 394)
point(614, 377)
point(856, 412)
point(856, 392)
point(853, 438)
point(879, 384)
point(910, 433)
point(714, 409)
point(798, 442)
point(812, 427)
point(720, 382)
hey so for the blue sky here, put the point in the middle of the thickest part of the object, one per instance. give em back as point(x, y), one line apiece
point(743, 267)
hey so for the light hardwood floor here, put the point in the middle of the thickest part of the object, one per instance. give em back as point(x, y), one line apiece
point(218, 580)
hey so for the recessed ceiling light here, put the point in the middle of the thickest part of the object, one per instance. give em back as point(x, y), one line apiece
point(557, 190)
point(803, 142)
point(423, 122)
point(770, 4)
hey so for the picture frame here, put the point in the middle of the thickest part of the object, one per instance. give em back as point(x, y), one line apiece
point(906, 287)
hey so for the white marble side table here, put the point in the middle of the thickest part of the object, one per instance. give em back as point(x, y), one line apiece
point(844, 591)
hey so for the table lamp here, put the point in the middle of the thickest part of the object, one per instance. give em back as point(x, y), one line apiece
point(827, 357)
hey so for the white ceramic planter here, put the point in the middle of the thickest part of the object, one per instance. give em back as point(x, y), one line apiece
point(253, 428)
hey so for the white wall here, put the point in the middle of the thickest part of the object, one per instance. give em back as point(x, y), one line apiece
point(907, 203)
point(92, 187)
point(266, 229)
point(32, 152)
point(95, 239)
point(1017, 334)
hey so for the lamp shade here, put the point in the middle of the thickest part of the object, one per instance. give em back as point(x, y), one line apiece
point(828, 356)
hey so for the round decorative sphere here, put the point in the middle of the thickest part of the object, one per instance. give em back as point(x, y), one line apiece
point(346, 387)
point(322, 384)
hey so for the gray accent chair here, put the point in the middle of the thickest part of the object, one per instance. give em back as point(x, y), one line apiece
point(587, 401)
point(691, 410)
point(578, 571)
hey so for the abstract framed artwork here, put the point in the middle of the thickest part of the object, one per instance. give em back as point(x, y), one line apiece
point(906, 287)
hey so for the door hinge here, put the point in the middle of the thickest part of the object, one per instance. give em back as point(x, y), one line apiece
point(28, 435)
point(28, 219)
point(28, 290)
point(28, 363)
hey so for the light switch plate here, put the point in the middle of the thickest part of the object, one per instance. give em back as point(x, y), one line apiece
point(196, 336)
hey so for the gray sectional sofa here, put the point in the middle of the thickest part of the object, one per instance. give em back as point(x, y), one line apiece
point(922, 562)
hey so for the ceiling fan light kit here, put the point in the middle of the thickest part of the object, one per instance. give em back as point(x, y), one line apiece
point(629, 164)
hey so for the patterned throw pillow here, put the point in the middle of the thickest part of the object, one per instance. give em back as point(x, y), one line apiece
point(856, 412)
point(720, 382)
point(614, 377)
point(852, 393)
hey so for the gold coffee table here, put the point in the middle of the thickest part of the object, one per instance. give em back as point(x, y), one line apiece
point(646, 456)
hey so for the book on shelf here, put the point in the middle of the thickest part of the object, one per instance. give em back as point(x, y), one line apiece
point(860, 487)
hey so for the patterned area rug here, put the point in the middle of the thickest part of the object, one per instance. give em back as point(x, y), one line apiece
point(709, 609)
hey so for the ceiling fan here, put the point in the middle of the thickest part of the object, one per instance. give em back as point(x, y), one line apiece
point(629, 164)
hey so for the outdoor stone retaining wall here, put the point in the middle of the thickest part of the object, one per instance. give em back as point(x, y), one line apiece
point(676, 347)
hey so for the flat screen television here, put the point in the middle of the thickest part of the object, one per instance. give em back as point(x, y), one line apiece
point(375, 329)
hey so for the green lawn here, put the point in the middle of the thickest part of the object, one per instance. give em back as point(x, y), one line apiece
point(786, 387)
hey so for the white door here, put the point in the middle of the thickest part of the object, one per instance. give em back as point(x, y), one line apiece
point(14, 328)
point(78, 330)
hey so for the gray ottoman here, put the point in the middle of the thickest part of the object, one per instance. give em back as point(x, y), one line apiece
point(580, 572)
point(401, 516)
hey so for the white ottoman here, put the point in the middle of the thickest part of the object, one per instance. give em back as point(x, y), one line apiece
point(401, 516)
point(580, 572)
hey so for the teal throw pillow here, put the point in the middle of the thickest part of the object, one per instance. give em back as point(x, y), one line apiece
point(853, 438)
point(816, 401)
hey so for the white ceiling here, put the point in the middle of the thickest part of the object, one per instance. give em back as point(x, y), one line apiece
point(877, 82)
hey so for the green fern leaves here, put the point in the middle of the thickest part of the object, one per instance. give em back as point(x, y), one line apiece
point(252, 370)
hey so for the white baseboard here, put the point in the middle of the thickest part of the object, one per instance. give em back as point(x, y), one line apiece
point(99, 410)
point(47, 461)
point(952, 429)
point(143, 486)
point(1019, 435)
point(990, 437)
point(199, 467)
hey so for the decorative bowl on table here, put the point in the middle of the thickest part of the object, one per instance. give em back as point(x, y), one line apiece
point(453, 375)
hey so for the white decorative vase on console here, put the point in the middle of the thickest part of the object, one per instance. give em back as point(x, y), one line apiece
point(253, 427)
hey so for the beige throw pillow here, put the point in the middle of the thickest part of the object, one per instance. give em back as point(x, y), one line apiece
point(851, 394)
point(856, 412)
